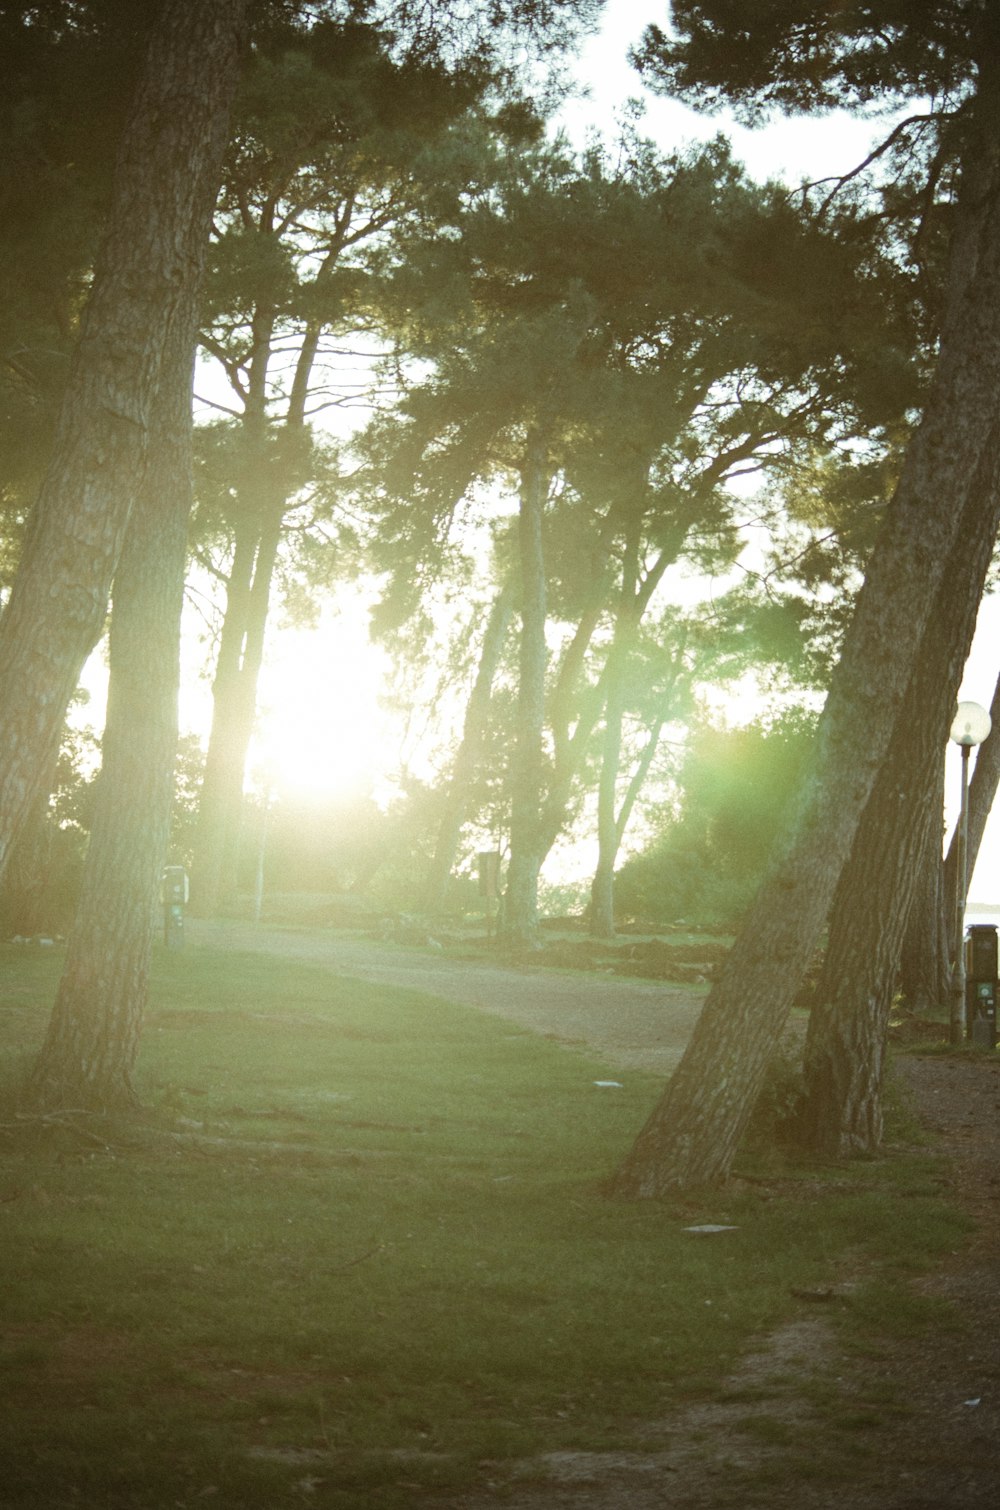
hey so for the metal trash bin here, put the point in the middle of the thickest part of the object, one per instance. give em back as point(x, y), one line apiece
point(981, 974)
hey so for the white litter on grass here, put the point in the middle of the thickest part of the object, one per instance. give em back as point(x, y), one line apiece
point(977, 1401)
point(707, 1227)
point(609, 1084)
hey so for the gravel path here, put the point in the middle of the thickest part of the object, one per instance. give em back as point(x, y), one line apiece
point(634, 1024)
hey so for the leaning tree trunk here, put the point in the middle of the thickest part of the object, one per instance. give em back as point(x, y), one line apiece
point(602, 887)
point(164, 190)
point(519, 928)
point(929, 943)
point(845, 1044)
point(471, 749)
point(924, 973)
point(93, 1034)
point(693, 1134)
point(982, 793)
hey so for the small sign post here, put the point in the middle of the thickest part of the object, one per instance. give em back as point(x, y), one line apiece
point(174, 895)
point(489, 883)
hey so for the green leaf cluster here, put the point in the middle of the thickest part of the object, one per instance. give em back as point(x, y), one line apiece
point(708, 861)
point(808, 55)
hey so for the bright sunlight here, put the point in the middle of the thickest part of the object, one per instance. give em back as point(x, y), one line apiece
point(321, 731)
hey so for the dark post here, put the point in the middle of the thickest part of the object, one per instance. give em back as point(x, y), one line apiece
point(981, 988)
point(489, 877)
point(174, 895)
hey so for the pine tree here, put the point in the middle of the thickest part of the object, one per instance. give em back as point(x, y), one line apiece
point(630, 322)
point(948, 483)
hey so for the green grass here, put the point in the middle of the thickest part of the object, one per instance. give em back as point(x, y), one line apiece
point(357, 1242)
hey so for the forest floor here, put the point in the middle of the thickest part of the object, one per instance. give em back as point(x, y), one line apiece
point(924, 1410)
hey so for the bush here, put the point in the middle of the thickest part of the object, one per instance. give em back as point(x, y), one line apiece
point(709, 862)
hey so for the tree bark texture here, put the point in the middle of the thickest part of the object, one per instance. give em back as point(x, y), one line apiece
point(165, 184)
point(693, 1134)
point(93, 1035)
point(928, 943)
point(845, 1044)
point(520, 910)
point(472, 748)
point(924, 961)
point(23, 885)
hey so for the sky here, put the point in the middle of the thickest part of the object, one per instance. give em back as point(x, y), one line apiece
point(806, 148)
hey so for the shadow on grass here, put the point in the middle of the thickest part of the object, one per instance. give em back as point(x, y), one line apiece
point(354, 1246)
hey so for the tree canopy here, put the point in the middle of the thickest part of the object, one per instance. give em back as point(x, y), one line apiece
point(589, 375)
point(806, 55)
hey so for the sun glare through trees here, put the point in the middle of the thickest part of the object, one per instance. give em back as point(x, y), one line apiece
point(549, 484)
point(321, 730)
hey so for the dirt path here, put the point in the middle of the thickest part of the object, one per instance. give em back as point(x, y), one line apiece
point(635, 1024)
point(922, 1417)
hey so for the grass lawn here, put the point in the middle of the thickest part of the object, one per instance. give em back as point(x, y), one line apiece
point(356, 1245)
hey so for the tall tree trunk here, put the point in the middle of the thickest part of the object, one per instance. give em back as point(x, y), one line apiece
point(234, 693)
point(471, 750)
point(610, 836)
point(23, 885)
point(564, 706)
point(24, 881)
point(213, 808)
point(693, 1134)
point(845, 1044)
point(928, 943)
point(258, 534)
point(924, 962)
point(573, 712)
point(982, 792)
point(519, 927)
point(93, 1034)
point(569, 750)
point(164, 191)
point(636, 592)
point(602, 920)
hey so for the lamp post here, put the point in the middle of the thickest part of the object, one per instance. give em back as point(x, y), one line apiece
point(971, 727)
